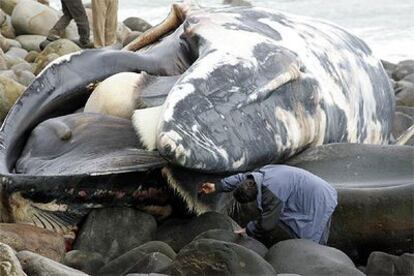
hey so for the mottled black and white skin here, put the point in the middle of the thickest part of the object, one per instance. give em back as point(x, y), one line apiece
point(266, 85)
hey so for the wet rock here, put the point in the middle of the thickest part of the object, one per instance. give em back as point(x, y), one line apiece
point(409, 78)
point(404, 68)
point(137, 24)
point(31, 17)
point(135, 261)
point(11, 61)
point(9, 74)
point(237, 3)
point(24, 66)
point(3, 62)
point(389, 67)
point(404, 93)
point(384, 264)
point(42, 62)
point(157, 246)
point(7, 28)
point(53, 50)
point(172, 231)
point(122, 32)
point(230, 236)
point(123, 264)
point(152, 262)
point(212, 257)
point(88, 262)
point(26, 237)
point(4, 44)
point(401, 123)
point(31, 42)
point(130, 37)
point(31, 56)
point(17, 52)
point(8, 5)
point(114, 231)
point(24, 77)
point(9, 264)
point(10, 91)
point(305, 257)
point(37, 265)
point(2, 17)
point(13, 43)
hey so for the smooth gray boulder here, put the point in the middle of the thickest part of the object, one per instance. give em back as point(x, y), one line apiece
point(212, 257)
point(305, 257)
point(88, 262)
point(380, 263)
point(114, 231)
point(137, 24)
point(31, 42)
point(9, 264)
point(37, 265)
point(17, 52)
point(172, 231)
point(230, 236)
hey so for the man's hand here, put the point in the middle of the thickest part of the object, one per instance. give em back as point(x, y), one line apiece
point(208, 188)
point(240, 231)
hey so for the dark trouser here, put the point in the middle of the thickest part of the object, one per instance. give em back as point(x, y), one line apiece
point(72, 9)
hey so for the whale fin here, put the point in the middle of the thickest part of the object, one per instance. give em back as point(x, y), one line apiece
point(59, 222)
point(145, 122)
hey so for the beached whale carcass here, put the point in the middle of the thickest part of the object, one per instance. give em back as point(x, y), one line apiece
point(251, 87)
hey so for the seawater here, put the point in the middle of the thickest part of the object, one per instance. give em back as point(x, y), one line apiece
point(387, 26)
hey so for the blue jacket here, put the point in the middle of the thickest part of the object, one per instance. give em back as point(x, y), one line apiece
point(295, 199)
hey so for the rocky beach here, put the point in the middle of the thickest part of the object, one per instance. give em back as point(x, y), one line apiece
point(128, 241)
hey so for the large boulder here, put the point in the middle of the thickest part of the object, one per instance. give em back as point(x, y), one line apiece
point(37, 265)
point(3, 62)
point(31, 17)
point(10, 91)
point(157, 246)
point(403, 69)
point(53, 50)
point(114, 231)
point(17, 52)
point(88, 262)
point(8, 5)
point(26, 237)
point(172, 231)
point(380, 263)
point(9, 264)
point(404, 93)
point(2, 17)
point(24, 77)
point(136, 261)
point(7, 28)
point(4, 43)
point(305, 257)
point(137, 24)
point(230, 236)
point(31, 42)
point(212, 257)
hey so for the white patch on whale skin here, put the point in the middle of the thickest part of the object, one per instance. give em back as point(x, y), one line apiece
point(301, 129)
point(145, 122)
point(239, 163)
point(311, 49)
